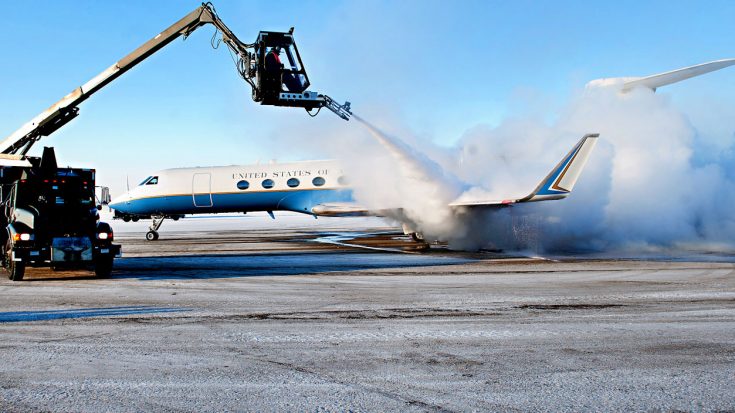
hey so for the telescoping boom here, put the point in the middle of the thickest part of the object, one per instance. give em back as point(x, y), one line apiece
point(267, 83)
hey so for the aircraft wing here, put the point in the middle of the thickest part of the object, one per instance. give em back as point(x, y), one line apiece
point(626, 84)
point(340, 209)
point(558, 184)
point(667, 78)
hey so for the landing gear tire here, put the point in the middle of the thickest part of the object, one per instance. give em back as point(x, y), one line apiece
point(16, 270)
point(136, 219)
point(175, 217)
point(103, 266)
point(152, 234)
point(417, 237)
point(126, 218)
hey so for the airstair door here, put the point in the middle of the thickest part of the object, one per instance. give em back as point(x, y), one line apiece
point(201, 190)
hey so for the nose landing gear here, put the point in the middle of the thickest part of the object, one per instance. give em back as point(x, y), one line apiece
point(152, 234)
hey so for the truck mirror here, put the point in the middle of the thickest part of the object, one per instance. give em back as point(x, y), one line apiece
point(105, 197)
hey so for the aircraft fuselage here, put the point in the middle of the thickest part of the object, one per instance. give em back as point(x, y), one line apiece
point(293, 187)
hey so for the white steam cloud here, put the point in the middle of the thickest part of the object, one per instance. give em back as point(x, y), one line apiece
point(642, 187)
point(652, 181)
point(415, 177)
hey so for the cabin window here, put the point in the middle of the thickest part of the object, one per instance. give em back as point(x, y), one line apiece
point(268, 184)
point(144, 181)
point(243, 185)
point(292, 183)
point(152, 181)
point(318, 181)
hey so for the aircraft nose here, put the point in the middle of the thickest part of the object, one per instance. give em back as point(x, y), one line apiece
point(119, 202)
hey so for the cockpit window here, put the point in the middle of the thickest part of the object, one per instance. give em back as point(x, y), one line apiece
point(152, 181)
point(144, 181)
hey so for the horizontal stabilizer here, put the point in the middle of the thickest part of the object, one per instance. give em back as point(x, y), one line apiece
point(654, 82)
point(558, 184)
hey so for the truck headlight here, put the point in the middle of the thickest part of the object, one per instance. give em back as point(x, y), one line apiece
point(105, 236)
point(22, 237)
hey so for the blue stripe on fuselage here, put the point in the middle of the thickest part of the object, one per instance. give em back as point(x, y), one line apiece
point(298, 201)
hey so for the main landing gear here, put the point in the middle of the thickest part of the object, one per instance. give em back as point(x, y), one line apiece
point(152, 234)
point(415, 235)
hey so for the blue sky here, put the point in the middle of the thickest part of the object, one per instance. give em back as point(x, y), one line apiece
point(438, 68)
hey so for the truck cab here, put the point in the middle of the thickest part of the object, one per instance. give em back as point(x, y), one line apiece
point(51, 219)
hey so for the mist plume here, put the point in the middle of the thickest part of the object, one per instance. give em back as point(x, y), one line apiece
point(653, 181)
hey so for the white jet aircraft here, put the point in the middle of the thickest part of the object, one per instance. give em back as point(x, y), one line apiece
point(318, 188)
point(312, 187)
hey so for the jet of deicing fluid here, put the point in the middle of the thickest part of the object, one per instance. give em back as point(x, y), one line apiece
point(415, 164)
point(397, 148)
point(420, 178)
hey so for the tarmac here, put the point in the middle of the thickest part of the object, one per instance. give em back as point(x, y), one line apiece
point(350, 315)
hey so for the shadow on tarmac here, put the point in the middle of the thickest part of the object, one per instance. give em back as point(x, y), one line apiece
point(250, 265)
point(24, 316)
point(219, 266)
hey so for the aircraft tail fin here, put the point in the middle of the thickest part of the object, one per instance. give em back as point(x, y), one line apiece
point(560, 181)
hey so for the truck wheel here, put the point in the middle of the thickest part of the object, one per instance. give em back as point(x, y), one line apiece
point(16, 270)
point(126, 218)
point(151, 235)
point(103, 266)
point(136, 219)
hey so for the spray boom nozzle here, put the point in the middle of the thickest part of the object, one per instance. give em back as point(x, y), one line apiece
point(312, 100)
point(343, 111)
